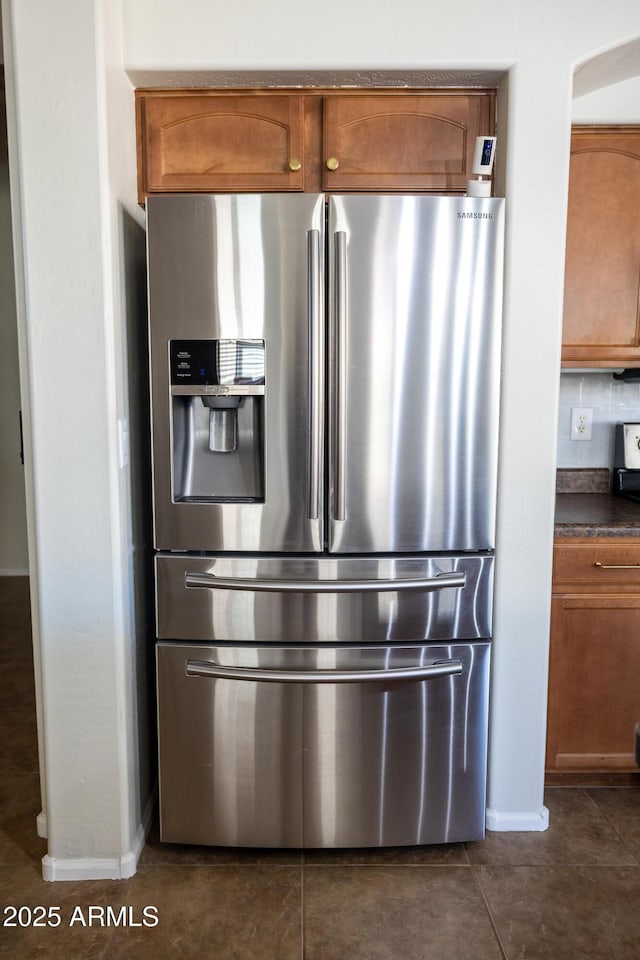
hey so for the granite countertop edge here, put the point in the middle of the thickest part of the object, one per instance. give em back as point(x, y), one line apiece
point(586, 515)
point(585, 531)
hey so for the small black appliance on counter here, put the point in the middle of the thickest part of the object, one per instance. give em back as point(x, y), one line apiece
point(626, 461)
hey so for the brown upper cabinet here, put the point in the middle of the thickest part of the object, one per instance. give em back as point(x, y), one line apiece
point(408, 142)
point(193, 143)
point(602, 274)
point(230, 141)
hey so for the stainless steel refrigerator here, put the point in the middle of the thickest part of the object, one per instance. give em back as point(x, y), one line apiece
point(325, 387)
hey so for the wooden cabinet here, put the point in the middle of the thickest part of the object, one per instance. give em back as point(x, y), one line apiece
point(594, 667)
point(188, 143)
point(409, 142)
point(602, 274)
point(313, 141)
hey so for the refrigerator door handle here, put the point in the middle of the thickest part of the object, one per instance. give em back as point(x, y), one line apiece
point(315, 368)
point(440, 668)
point(211, 581)
point(340, 348)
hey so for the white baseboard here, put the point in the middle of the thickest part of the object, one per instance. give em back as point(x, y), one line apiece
point(534, 820)
point(41, 825)
point(101, 868)
point(85, 868)
point(8, 572)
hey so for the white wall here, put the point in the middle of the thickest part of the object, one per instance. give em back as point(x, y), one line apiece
point(74, 164)
point(165, 35)
point(13, 521)
point(618, 103)
point(81, 257)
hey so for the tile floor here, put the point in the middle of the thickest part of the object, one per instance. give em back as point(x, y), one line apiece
point(571, 892)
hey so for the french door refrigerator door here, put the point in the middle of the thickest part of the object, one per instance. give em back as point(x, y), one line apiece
point(322, 747)
point(415, 311)
point(236, 297)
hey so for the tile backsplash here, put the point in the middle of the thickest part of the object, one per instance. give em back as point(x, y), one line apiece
point(612, 401)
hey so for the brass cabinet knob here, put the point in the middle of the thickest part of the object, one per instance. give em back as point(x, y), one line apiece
point(333, 163)
point(295, 164)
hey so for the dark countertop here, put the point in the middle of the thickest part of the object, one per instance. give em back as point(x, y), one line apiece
point(596, 515)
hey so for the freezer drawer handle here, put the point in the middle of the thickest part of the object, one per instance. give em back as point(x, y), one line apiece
point(210, 580)
point(440, 668)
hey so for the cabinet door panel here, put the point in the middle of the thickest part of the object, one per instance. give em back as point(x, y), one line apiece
point(594, 688)
point(602, 276)
point(228, 143)
point(399, 142)
point(597, 567)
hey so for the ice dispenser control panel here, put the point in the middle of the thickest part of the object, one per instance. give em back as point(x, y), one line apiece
point(230, 363)
point(217, 417)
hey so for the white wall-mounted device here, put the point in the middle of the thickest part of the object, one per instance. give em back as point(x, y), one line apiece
point(483, 156)
point(482, 168)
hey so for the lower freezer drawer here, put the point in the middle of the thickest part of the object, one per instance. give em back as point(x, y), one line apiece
point(321, 746)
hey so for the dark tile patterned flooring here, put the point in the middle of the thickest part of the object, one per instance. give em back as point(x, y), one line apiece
point(573, 891)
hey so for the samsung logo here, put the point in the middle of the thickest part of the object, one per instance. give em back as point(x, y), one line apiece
point(474, 215)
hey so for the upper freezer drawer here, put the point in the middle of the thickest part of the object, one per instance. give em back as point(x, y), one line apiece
point(324, 600)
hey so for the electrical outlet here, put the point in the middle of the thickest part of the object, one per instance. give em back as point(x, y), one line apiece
point(581, 423)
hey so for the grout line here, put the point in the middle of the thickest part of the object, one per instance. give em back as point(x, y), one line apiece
point(476, 878)
point(388, 863)
point(611, 823)
point(226, 865)
point(388, 866)
point(585, 791)
point(303, 946)
point(203, 862)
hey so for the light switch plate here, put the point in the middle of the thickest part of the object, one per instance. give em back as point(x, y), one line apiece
point(123, 443)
